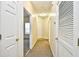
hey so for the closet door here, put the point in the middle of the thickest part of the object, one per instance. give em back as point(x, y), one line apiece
point(8, 29)
point(65, 34)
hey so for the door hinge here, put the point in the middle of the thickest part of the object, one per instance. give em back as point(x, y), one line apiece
point(0, 36)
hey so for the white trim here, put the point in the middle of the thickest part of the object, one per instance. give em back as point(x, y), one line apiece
point(27, 52)
point(31, 32)
point(51, 48)
point(34, 44)
point(59, 3)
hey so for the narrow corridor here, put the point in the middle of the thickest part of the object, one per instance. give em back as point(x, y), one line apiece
point(41, 49)
point(39, 28)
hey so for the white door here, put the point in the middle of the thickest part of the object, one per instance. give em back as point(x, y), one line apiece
point(65, 35)
point(8, 29)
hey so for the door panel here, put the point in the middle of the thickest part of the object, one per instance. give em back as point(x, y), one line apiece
point(9, 19)
point(8, 29)
point(9, 41)
point(10, 51)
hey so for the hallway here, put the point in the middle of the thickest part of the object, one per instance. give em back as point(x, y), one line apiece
point(41, 49)
point(39, 29)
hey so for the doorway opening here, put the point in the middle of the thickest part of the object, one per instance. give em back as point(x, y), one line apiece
point(27, 31)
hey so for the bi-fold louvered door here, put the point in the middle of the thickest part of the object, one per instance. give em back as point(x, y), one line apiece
point(66, 28)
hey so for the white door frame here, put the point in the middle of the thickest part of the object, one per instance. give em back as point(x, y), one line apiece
point(30, 43)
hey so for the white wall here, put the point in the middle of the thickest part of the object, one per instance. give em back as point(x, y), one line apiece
point(43, 27)
point(34, 30)
point(40, 27)
point(51, 33)
point(46, 27)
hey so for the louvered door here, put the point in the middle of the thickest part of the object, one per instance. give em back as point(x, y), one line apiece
point(66, 28)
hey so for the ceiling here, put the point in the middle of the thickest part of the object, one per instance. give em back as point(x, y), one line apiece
point(42, 6)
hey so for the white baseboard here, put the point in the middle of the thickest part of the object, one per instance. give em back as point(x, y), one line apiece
point(27, 52)
point(34, 44)
point(51, 50)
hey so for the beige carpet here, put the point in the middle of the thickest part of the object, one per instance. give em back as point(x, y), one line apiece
point(41, 49)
